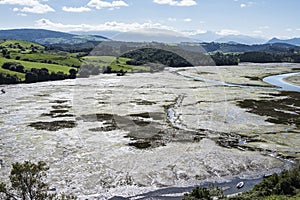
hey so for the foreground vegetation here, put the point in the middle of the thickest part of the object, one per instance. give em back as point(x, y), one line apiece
point(283, 186)
point(27, 182)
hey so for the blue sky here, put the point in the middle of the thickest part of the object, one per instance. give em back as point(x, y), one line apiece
point(264, 18)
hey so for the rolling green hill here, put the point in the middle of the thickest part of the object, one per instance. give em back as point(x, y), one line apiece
point(48, 37)
point(28, 65)
point(27, 61)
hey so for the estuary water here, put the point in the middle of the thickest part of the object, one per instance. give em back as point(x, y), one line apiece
point(278, 81)
point(110, 136)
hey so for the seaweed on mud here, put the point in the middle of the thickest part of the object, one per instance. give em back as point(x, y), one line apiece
point(58, 111)
point(53, 126)
point(110, 127)
point(64, 115)
point(100, 117)
point(147, 115)
point(140, 144)
point(141, 122)
point(253, 78)
point(284, 109)
point(142, 128)
point(143, 115)
point(144, 102)
point(59, 101)
point(42, 95)
point(153, 142)
point(57, 107)
point(57, 114)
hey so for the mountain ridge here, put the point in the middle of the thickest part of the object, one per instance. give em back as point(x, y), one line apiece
point(44, 36)
point(293, 41)
point(48, 37)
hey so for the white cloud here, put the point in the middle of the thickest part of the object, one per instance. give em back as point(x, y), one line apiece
point(29, 6)
point(99, 4)
point(172, 19)
point(225, 32)
point(107, 26)
point(194, 32)
point(176, 3)
point(187, 19)
point(75, 9)
point(22, 14)
point(248, 4)
point(289, 30)
point(39, 9)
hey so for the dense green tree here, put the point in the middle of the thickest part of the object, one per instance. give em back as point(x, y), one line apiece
point(73, 73)
point(225, 59)
point(204, 193)
point(154, 55)
point(9, 79)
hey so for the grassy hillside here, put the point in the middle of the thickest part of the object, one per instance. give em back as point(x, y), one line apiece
point(115, 63)
point(31, 55)
point(25, 44)
point(28, 65)
point(43, 36)
point(12, 73)
point(19, 46)
point(48, 58)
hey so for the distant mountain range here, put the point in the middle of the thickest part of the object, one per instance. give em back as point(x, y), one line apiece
point(167, 36)
point(47, 37)
point(241, 39)
point(43, 36)
point(152, 35)
point(210, 36)
point(293, 41)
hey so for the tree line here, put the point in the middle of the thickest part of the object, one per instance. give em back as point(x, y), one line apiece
point(33, 75)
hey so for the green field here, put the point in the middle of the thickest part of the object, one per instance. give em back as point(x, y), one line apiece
point(14, 46)
point(28, 65)
point(12, 73)
point(46, 58)
point(116, 64)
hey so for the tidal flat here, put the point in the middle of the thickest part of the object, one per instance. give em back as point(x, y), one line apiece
point(109, 136)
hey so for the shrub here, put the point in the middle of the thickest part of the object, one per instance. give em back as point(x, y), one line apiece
point(27, 182)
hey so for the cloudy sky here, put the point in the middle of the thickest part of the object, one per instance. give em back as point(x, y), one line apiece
point(265, 18)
